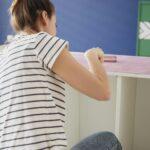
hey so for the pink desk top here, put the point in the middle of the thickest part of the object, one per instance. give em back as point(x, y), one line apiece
point(124, 65)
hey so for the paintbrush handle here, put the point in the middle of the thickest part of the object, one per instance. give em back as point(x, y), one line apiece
point(110, 58)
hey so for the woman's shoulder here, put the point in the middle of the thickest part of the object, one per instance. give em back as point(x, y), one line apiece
point(43, 34)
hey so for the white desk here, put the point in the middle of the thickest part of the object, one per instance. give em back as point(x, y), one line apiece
point(126, 114)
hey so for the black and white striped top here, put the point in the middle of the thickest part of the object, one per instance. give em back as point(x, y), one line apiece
point(32, 96)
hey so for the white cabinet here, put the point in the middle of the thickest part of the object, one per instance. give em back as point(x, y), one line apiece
point(127, 113)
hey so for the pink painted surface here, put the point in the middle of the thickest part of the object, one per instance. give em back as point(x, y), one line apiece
point(124, 64)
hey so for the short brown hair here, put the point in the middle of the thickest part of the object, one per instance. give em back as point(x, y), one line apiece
point(24, 13)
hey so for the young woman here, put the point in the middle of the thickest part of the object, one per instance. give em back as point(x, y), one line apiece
point(33, 74)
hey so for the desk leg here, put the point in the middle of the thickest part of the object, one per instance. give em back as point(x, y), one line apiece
point(118, 105)
point(142, 116)
point(125, 111)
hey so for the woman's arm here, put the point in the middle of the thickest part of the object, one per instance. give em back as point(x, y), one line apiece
point(93, 83)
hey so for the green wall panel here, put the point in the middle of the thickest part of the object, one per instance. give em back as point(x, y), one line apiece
point(144, 8)
point(143, 35)
point(144, 47)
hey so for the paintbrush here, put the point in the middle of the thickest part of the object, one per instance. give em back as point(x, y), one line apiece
point(110, 58)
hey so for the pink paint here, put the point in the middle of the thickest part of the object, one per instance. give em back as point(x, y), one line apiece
point(124, 64)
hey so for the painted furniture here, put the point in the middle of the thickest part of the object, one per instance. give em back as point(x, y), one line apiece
point(127, 112)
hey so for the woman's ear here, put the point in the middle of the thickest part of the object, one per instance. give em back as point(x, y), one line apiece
point(44, 18)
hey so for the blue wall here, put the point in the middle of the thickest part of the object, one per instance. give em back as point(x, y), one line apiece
point(5, 28)
point(109, 24)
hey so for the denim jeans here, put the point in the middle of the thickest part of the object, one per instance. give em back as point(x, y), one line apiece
point(99, 141)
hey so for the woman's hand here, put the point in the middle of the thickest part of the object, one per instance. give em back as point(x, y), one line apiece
point(95, 52)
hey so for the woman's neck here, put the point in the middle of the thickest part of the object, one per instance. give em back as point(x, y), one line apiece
point(28, 31)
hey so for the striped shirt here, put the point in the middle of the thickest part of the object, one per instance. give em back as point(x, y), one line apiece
point(32, 96)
